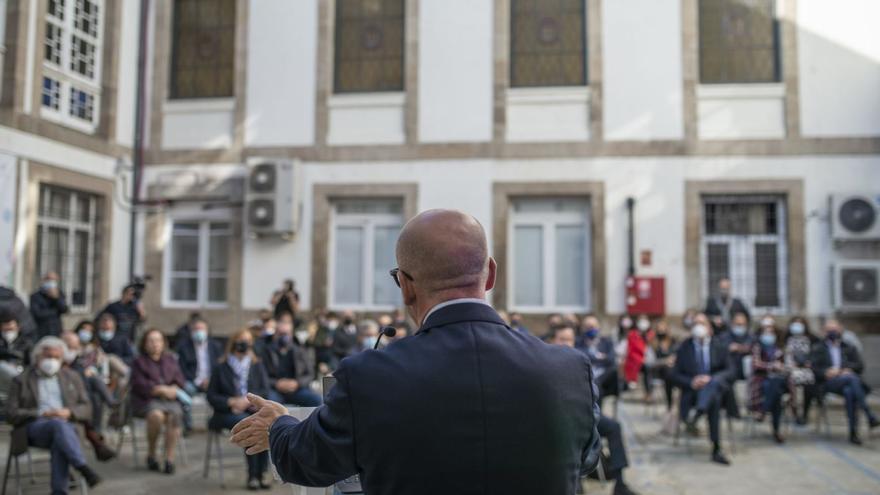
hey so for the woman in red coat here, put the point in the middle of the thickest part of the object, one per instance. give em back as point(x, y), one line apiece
point(637, 341)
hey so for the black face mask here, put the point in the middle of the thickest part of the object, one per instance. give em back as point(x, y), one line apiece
point(348, 321)
point(241, 347)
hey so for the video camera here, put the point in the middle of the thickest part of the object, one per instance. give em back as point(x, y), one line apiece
point(139, 284)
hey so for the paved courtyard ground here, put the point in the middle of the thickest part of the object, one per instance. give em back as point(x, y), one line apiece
point(809, 463)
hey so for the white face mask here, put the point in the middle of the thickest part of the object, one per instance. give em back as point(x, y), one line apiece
point(644, 325)
point(699, 331)
point(70, 356)
point(302, 336)
point(85, 336)
point(10, 335)
point(50, 366)
point(739, 330)
point(767, 322)
point(796, 328)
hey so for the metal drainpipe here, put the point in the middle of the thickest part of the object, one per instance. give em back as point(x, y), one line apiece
point(631, 248)
point(138, 161)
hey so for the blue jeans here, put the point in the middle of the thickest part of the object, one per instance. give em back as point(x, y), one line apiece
point(60, 438)
point(850, 387)
point(303, 397)
point(257, 464)
point(773, 389)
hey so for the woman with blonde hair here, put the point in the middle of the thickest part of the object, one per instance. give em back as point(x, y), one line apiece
point(239, 373)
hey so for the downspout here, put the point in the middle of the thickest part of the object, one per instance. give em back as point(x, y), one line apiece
point(138, 158)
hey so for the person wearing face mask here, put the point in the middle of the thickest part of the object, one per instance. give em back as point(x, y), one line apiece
point(739, 343)
point(600, 349)
point(345, 338)
point(113, 343)
point(703, 373)
point(47, 306)
point(128, 313)
point(240, 372)
point(724, 304)
point(637, 342)
point(769, 381)
point(665, 347)
point(838, 367)
point(368, 335)
point(287, 364)
point(797, 359)
point(44, 403)
point(15, 351)
point(197, 354)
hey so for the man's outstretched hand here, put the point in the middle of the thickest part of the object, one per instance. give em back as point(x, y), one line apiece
point(252, 433)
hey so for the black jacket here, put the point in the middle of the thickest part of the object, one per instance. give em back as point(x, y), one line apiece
point(127, 318)
point(714, 308)
point(288, 362)
point(820, 359)
point(19, 352)
point(188, 359)
point(224, 385)
point(464, 406)
point(47, 313)
point(687, 366)
point(11, 303)
point(119, 346)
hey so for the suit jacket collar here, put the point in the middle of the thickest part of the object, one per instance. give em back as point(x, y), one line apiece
point(463, 312)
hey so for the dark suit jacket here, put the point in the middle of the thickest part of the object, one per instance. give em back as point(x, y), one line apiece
point(19, 352)
point(224, 385)
point(687, 366)
point(24, 402)
point(736, 306)
point(188, 359)
point(287, 363)
point(47, 313)
point(606, 347)
point(820, 359)
point(120, 346)
point(464, 406)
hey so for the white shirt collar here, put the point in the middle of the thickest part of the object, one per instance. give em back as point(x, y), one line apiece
point(454, 301)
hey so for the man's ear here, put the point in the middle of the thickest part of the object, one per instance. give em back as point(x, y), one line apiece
point(407, 290)
point(490, 280)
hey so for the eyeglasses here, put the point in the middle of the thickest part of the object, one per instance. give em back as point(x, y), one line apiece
point(394, 273)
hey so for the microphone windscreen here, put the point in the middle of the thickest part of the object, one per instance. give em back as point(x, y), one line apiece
point(389, 331)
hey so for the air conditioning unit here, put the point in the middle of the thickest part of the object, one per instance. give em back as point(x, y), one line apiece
point(270, 198)
point(857, 286)
point(855, 217)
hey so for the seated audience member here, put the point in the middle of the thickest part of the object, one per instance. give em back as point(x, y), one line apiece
point(184, 331)
point(703, 372)
point(602, 356)
point(109, 367)
point(239, 373)
point(99, 395)
point(608, 428)
point(665, 347)
point(15, 351)
point(111, 342)
point(769, 381)
point(517, 324)
point(324, 357)
point(400, 319)
point(636, 345)
point(739, 343)
point(838, 366)
point(45, 401)
point(290, 373)
point(368, 335)
point(797, 360)
point(624, 324)
point(156, 391)
point(345, 338)
point(197, 354)
point(11, 303)
point(648, 335)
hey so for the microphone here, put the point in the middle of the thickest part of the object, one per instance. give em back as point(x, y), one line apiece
point(387, 331)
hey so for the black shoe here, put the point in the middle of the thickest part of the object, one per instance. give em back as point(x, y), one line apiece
point(253, 484)
point(854, 439)
point(620, 488)
point(169, 467)
point(91, 478)
point(152, 464)
point(719, 458)
point(778, 438)
point(104, 453)
point(873, 423)
point(801, 421)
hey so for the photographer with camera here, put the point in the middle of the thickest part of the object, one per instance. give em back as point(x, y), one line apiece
point(286, 300)
point(129, 310)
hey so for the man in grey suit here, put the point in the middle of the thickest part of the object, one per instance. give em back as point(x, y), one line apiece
point(464, 406)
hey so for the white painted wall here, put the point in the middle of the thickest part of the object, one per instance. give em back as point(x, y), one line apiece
point(455, 70)
point(839, 67)
point(741, 111)
point(281, 72)
point(548, 114)
point(127, 58)
point(642, 76)
point(196, 124)
point(370, 118)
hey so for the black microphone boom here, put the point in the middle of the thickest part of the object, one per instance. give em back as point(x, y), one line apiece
point(387, 331)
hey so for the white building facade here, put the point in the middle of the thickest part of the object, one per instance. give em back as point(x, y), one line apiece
point(730, 123)
point(66, 134)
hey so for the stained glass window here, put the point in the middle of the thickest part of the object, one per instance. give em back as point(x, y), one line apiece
point(203, 52)
point(547, 43)
point(739, 41)
point(369, 46)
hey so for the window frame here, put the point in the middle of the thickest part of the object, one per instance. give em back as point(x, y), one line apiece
point(744, 245)
point(585, 50)
point(67, 78)
point(203, 274)
point(72, 225)
point(368, 222)
point(548, 223)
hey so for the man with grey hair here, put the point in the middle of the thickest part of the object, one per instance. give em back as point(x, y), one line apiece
point(466, 405)
point(44, 402)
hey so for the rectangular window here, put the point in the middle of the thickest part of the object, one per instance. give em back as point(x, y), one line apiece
point(197, 263)
point(548, 43)
point(369, 49)
point(363, 239)
point(67, 242)
point(550, 252)
point(72, 62)
point(744, 239)
point(739, 41)
point(203, 49)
